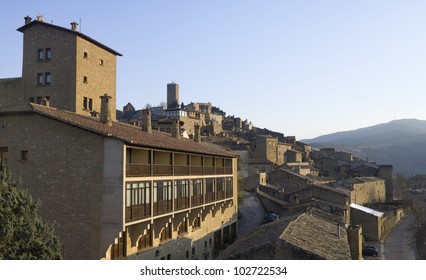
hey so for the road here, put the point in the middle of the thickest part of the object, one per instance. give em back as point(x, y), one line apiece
point(252, 213)
point(401, 242)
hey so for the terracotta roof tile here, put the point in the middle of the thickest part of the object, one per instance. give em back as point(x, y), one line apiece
point(129, 134)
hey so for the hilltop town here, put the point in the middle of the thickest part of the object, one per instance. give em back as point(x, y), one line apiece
point(164, 182)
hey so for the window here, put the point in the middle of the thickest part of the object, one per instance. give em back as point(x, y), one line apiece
point(85, 79)
point(48, 53)
point(40, 55)
point(90, 104)
point(24, 155)
point(193, 250)
point(85, 103)
point(169, 256)
point(138, 200)
point(47, 78)
point(39, 78)
point(85, 55)
point(162, 197)
point(101, 62)
point(3, 157)
point(181, 194)
point(187, 254)
point(205, 244)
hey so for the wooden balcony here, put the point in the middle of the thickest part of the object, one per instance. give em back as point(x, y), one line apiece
point(138, 170)
point(144, 170)
point(162, 170)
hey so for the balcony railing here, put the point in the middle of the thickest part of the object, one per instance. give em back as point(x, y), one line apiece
point(197, 200)
point(181, 203)
point(138, 170)
point(162, 170)
point(144, 170)
point(181, 170)
point(138, 211)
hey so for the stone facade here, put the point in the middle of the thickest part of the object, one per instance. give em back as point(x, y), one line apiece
point(89, 185)
point(64, 66)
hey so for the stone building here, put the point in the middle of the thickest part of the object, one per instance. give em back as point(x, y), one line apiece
point(365, 190)
point(417, 182)
point(115, 191)
point(307, 236)
point(64, 66)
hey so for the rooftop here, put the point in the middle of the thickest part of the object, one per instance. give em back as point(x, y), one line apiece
point(131, 135)
point(308, 232)
point(360, 180)
point(81, 35)
point(367, 210)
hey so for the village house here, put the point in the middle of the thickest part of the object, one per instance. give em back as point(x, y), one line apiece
point(113, 190)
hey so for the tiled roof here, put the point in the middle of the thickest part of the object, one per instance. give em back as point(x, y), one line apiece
point(307, 232)
point(91, 40)
point(318, 236)
point(129, 134)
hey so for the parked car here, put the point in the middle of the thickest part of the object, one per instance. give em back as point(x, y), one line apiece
point(370, 251)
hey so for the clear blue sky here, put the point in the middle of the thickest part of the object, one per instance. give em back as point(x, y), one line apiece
point(304, 68)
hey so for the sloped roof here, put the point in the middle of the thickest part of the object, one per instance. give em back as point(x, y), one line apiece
point(81, 35)
point(308, 232)
point(129, 134)
point(360, 180)
point(318, 236)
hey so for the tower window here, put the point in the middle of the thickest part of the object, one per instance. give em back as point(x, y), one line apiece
point(24, 155)
point(40, 55)
point(39, 78)
point(47, 78)
point(48, 53)
point(85, 55)
point(101, 62)
point(85, 79)
point(85, 103)
point(90, 104)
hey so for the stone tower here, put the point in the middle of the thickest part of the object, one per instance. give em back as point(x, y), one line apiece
point(172, 96)
point(66, 67)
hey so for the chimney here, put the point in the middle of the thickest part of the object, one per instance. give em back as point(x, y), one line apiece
point(197, 133)
point(45, 102)
point(28, 20)
point(146, 121)
point(176, 129)
point(74, 26)
point(106, 110)
point(355, 241)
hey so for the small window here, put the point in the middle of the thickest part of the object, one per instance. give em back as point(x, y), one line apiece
point(210, 242)
point(187, 254)
point(90, 104)
point(205, 244)
point(24, 155)
point(40, 55)
point(85, 79)
point(85, 55)
point(193, 250)
point(85, 103)
point(101, 62)
point(48, 53)
point(39, 78)
point(47, 78)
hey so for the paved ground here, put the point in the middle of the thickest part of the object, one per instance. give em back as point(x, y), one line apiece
point(252, 213)
point(401, 242)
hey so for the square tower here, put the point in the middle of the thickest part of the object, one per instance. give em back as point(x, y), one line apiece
point(172, 96)
point(66, 67)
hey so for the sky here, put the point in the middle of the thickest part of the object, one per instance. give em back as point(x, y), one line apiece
point(303, 68)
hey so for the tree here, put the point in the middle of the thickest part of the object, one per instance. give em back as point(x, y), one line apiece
point(23, 235)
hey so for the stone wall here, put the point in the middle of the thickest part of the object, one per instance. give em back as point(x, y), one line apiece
point(11, 92)
point(64, 170)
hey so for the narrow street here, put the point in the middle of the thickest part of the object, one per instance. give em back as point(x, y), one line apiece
point(252, 213)
point(401, 242)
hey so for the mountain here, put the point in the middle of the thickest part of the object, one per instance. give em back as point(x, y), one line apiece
point(401, 143)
